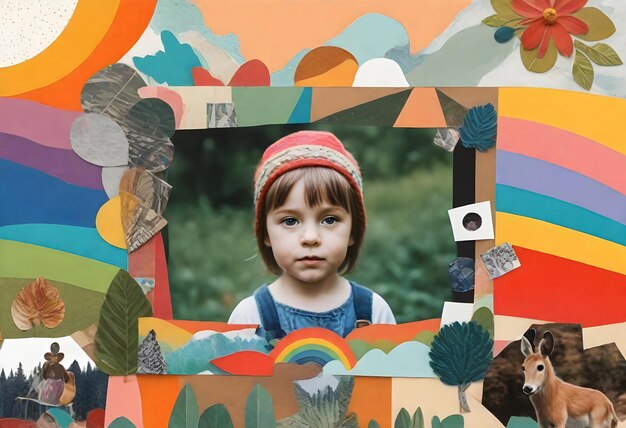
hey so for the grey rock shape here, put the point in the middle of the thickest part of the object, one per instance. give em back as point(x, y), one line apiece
point(99, 140)
point(150, 358)
point(151, 117)
point(112, 91)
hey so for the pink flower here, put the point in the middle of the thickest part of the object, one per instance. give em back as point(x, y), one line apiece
point(550, 19)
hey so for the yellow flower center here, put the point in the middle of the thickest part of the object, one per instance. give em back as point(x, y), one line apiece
point(550, 15)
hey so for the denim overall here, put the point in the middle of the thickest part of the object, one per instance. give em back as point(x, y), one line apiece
point(278, 320)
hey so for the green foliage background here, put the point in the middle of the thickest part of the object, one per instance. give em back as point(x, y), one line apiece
point(213, 262)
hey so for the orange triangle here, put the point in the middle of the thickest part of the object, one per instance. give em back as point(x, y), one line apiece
point(422, 110)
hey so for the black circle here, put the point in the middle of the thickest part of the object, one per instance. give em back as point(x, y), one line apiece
point(472, 221)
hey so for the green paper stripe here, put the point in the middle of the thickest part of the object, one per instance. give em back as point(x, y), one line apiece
point(19, 260)
point(82, 309)
point(264, 105)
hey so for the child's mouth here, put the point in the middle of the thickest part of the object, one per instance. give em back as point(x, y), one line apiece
point(311, 261)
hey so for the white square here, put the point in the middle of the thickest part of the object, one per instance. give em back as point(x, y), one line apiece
point(472, 222)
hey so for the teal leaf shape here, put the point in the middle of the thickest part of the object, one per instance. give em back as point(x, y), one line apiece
point(260, 409)
point(479, 128)
point(216, 416)
point(185, 412)
point(403, 420)
point(504, 34)
point(121, 422)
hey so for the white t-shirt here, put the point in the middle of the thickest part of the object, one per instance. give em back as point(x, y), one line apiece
point(247, 312)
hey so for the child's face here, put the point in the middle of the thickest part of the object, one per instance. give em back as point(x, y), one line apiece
point(309, 244)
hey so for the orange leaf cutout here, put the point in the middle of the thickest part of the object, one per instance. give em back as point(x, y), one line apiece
point(38, 303)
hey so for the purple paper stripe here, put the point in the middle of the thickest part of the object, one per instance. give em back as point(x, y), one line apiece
point(547, 179)
point(43, 124)
point(63, 164)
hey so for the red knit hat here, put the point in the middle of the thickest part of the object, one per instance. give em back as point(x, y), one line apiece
point(305, 149)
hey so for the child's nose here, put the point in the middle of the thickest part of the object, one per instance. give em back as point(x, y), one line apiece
point(310, 236)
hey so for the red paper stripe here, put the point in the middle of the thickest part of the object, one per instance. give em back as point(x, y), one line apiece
point(560, 290)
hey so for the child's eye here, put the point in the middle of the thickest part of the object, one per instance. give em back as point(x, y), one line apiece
point(330, 220)
point(289, 221)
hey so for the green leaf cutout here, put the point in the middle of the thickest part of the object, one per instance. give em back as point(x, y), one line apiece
point(503, 7)
point(185, 412)
point(436, 423)
point(403, 420)
point(260, 409)
point(418, 418)
point(582, 70)
point(600, 25)
point(216, 416)
point(453, 421)
point(539, 65)
point(499, 20)
point(117, 337)
point(600, 53)
point(373, 424)
point(121, 422)
point(484, 317)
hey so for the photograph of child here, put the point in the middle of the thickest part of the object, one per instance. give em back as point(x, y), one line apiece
point(268, 226)
point(310, 222)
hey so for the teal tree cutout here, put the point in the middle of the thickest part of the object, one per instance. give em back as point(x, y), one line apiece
point(460, 354)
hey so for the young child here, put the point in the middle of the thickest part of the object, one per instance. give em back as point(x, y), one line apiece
point(309, 226)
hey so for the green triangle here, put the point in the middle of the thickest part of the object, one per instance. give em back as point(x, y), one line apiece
point(380, 112)
point(453, 112)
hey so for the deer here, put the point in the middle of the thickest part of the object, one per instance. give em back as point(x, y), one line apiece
point(558, 403)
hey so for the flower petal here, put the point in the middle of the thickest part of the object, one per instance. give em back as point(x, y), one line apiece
point(573, 25)
point(528, 21)
point(531, 37)
point(545, 41)
point(526, 9)
point(562, 39)
point(570, 7)
point(543, 4)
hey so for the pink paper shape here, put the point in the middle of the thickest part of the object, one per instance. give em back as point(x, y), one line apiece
point(563, 148)
point(172, 98)
point(123, 399)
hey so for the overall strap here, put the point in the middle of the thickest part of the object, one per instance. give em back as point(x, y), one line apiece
point(363, 298)
point(270, 322)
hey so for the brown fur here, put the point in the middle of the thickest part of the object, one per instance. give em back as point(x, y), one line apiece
point(555, 400)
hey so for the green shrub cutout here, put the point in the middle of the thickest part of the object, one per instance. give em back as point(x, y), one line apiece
point(460, 354)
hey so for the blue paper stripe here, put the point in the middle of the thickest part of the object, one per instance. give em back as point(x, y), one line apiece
point(545, 208)
point(31, 196)
point(81, 241)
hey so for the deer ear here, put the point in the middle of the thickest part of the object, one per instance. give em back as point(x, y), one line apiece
point(526, 347)
point(546, 346)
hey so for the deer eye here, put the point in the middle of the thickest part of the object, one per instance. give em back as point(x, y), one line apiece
point(540, 367)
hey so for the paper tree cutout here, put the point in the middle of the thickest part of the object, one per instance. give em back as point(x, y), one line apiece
point(460, 355)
